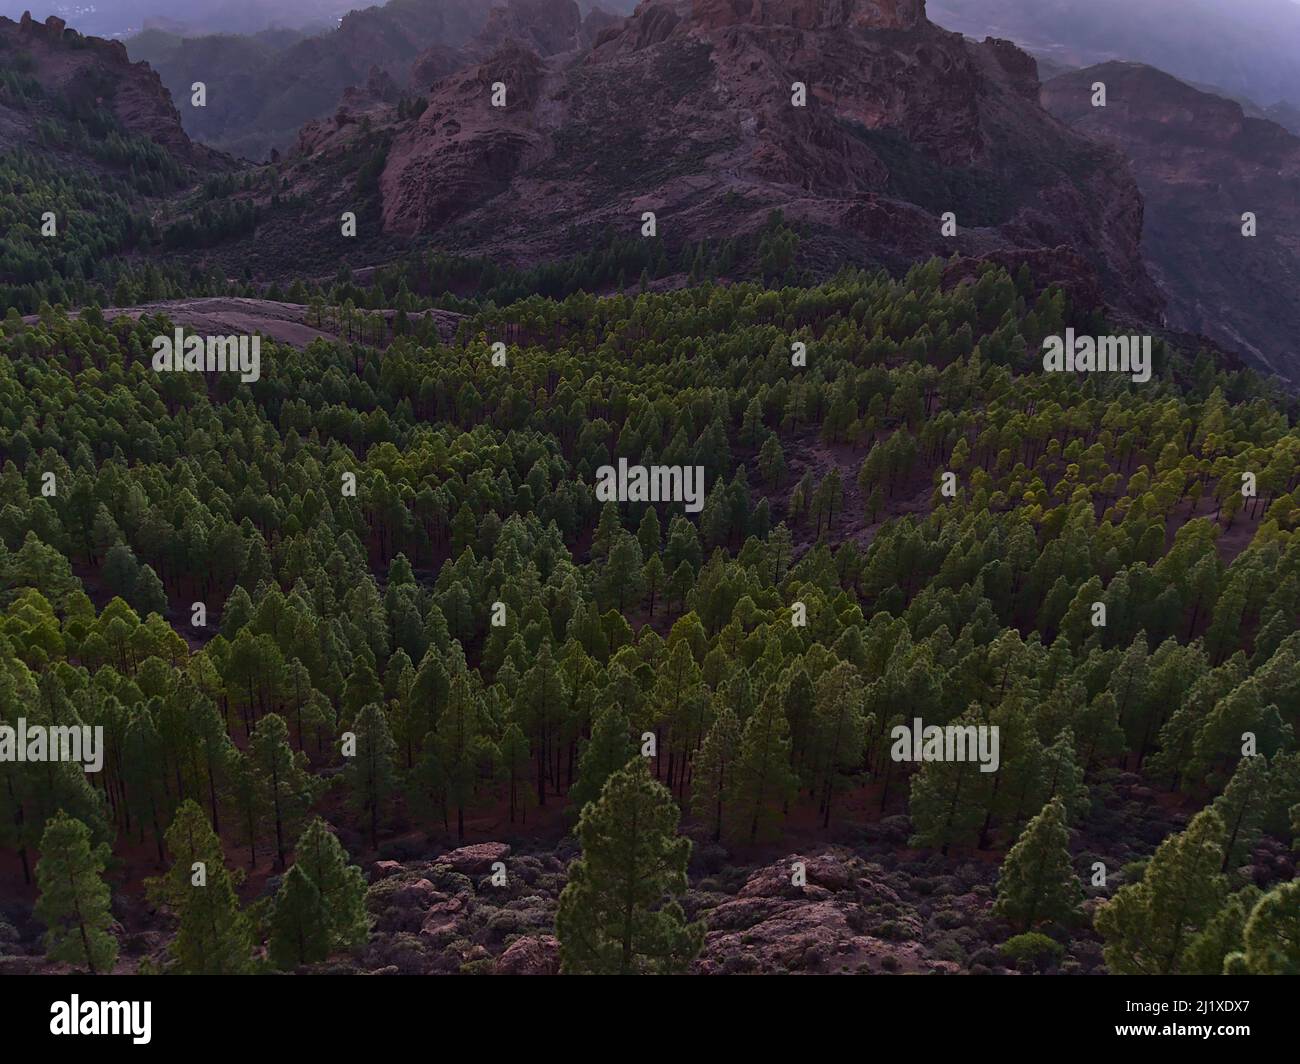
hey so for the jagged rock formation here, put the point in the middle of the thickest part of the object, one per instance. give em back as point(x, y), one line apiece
point(546, 27)
point(260, 95)
point(685, 108)
point(1201, 164)
point(83, 73)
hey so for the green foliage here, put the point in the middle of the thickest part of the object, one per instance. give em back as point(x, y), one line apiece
point(1149, 926)
point(74, 899)
point(1032, 947)
point(373, 614)
point(298, 933)
point(213, 936)
point(1037, 881)
point(613, 919)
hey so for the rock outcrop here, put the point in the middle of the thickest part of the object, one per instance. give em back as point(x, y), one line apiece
point(85, 73)
point(859, 119)
point(1202, 165)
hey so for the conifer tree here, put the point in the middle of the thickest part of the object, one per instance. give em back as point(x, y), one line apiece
point(1150, 924)
point(1063, 777)
point(371, 774)
point(714, 764)
point(612, 918)
point(1243, 805)
point(943, 807)
point(1272, 935)
point(462, 747)
point(762, 782)
point(282, 777)
point(74, 899)
point(538, 707)
point(839, 731)
point(298, 932)
point(620, 579)
point(1037, 881)
point(214, 937)
point(609, 749)
point(342, 886)
point(1222, 936)
point(514, 762)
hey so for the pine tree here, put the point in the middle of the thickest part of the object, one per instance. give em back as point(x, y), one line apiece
point(1037, 881)
point(839, 732)
point(1148, 925)
point(620, 584)
point(609, 749)
point(944, 812)
point(371, 775)
point(148, 595)
point(762, 779)
point(538, 707)
point(342, 886)
point(74, 899)
point(653, 579)
point(515, 759)
point(1063, 777)
point(298, 932)
point(648, 534)
point(1222, 936)
point(714, 764)
point(214, 937)
point(1272, 935)
point(461, 747)
point(612, 917)
point(1243, 805)
point(282, 777)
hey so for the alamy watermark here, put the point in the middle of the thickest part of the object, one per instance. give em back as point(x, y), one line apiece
point(953, 742)
point(59, 742)
point(1098, 354)
point(209, 354)
point(77, 1017)
point(684, 484)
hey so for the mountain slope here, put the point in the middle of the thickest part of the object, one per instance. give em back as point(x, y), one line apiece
point(685, 109)
point(1201, 164)
point(259, 95)
point(85, 75)
point(1246, 47)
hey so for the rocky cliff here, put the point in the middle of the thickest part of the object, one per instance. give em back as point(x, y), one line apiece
point(1202, 164)
point(860, 119)
point(81, 74)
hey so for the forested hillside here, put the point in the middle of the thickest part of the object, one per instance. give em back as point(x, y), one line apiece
point(369, 608)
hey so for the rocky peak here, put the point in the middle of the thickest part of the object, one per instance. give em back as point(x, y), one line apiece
point(548, 26)
point(73, 67)
point(809, 14)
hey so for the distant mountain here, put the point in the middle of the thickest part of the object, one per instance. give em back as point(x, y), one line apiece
point(685, 109)
point(1201, 163)
point(261, 90)
point(60, 78)
point(1246, 48)
point(118, 18)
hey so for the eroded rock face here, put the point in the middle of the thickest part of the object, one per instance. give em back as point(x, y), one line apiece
point(539, 955)
point(841, 920)
point(1201, 163)
point(687, 109)
point(89, 71)
point(476, 860)
point(810, 14)
point(463, 151)
point(546, 27)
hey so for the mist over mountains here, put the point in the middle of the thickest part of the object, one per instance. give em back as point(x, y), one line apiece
point(119, 18)
point(673, 109)
point(1244, 47)
point(499, 514)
